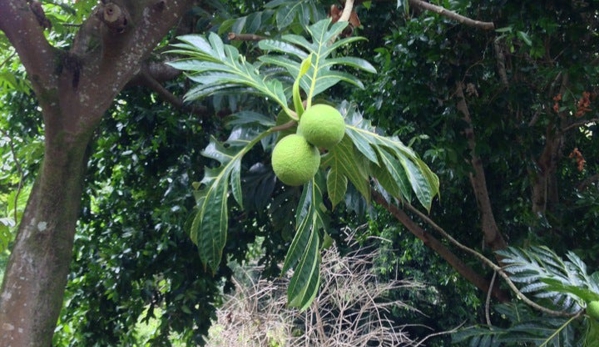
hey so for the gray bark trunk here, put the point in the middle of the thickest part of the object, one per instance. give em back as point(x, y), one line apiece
point(36, 275)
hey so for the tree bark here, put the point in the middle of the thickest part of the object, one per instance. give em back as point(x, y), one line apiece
point(74, 89)
point(491, 232)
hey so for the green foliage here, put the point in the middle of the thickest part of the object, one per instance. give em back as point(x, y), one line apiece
point(277, 16)
point(524, 327)
point(562, 284)
point(218, 67)
point(546, 275)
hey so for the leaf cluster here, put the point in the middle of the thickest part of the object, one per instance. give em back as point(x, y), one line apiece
point(362, 154)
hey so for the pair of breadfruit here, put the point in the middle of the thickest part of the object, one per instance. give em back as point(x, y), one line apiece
point(296, 158)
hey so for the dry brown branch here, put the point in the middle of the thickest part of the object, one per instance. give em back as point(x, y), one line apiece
point(452, 15)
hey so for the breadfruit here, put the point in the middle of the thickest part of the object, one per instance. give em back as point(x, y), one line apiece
point(322, 126)
point(294, 160)
point(593, 309)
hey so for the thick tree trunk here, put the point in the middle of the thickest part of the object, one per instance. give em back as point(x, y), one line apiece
point(74, 88)
point(37, 272)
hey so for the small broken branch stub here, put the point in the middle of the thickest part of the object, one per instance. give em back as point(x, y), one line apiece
point(114, 17)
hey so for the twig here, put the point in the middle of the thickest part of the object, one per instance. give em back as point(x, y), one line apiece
point(283, 127)
point(8, 58)
point(579, 124)
point(439, 333)
point(452, 15)
point(347, 8)
point(439, 247)
point(488, 301)
point(245, 37)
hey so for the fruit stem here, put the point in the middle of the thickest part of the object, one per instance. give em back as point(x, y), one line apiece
point(283, 127)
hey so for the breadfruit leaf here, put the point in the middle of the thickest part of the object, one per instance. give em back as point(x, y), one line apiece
point(310, 215)
point(336, 185)
point(210, 224)
point(524, 327)
point(303, 254)
point(546, 275)
point(345, 164)
point(321, 74)
point(398, 169)
point(216, 66)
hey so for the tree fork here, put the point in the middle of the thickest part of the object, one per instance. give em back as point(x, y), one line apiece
point(34, 283)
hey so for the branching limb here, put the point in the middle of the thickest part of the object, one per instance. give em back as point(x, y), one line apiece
point(147, 79)
point(452, 15)
point(22, 29)
point(464, 270)
point(489, 263)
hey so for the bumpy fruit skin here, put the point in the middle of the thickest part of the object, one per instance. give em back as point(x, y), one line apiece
point(322, 125)
point(294, 160)
point(593, 309)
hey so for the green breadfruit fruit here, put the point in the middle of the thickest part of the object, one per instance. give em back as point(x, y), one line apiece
point(322, 125)
point(593, 309)
point(294, 160)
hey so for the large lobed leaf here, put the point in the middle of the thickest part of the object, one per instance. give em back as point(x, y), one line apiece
point(363, 153)
point(211, 221)
point(304, 253)
point(525, 327)
point(321, 75)
point(216, 67)
point(546, 275)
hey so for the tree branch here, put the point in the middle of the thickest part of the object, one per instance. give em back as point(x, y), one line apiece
point(22, 29)
point(479, 183)
point(579, 124)
point(492, 265)
point(347, 9)
point(464, 270)
point(146, 78)
point(452, 15)
point(244, 37)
